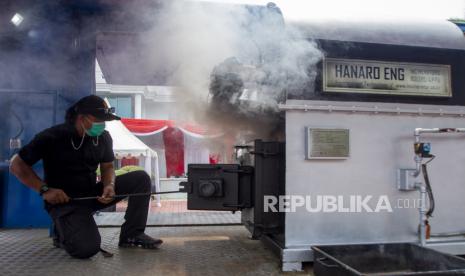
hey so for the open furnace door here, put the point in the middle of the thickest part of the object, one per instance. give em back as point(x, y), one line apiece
point(222, 187)
point(234, 187)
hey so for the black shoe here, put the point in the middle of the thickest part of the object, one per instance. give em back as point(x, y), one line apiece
point(57, 243)
point(141, 240)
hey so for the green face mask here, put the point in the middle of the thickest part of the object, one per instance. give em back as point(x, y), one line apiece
point(96, 129)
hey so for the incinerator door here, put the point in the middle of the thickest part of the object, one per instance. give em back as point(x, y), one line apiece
point(218, 187)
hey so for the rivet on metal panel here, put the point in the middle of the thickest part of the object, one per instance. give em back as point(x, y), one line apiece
point(376, 110)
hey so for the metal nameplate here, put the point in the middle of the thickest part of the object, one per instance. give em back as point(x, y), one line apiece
point(386, 78)
point(324, 143)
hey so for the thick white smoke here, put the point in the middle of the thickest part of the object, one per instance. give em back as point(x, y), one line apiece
point(189, 43)
point(193, 38)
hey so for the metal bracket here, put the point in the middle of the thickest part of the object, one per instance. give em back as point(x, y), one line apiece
point(238, 171)
point(239, 206)
point(264, 153)
point(185, 187)
point(406, 179)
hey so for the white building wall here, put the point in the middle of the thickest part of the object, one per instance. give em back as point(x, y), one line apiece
point(379, 145)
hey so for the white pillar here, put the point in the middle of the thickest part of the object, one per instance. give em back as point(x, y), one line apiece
point(138, 106)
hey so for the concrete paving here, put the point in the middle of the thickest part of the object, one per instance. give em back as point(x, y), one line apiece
point(173, 219)
point(193, 250)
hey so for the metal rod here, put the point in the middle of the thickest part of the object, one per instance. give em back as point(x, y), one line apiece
point(422, 209)
point(448, 234)
point(383, 109)
point(125, 195)
point(417, 133)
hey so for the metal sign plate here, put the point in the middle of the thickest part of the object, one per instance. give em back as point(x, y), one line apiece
point(324, 143)
point(387, 78)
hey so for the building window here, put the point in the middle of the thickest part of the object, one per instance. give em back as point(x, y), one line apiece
point(123, 106)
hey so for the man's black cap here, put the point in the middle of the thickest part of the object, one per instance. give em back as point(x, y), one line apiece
point(96, 106)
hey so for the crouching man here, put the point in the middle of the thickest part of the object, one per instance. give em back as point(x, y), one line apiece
point(71, 153)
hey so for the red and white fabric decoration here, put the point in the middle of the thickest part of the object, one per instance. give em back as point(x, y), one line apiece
point(143, 127)
point(179, 148)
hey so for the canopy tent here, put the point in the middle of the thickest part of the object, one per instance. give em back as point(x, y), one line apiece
point(126, 145)
point(178, 143)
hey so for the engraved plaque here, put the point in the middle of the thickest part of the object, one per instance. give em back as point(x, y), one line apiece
point(325, 143)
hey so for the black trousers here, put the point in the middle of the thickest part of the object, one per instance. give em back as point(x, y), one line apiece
point(75, 226)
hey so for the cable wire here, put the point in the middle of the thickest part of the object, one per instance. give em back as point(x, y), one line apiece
point(21, 125)
point(429, 190)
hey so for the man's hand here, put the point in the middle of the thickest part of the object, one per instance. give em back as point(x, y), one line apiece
point(108, 178)
point(55, 196)
point(107, 195)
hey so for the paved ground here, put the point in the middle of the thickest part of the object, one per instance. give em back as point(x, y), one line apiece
point(171, 213)
point(166, 206)
point(204, 250)
point(173, 219)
